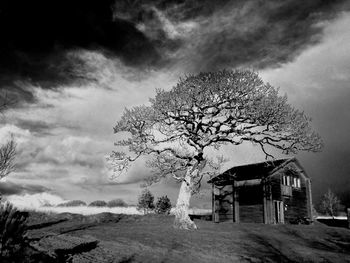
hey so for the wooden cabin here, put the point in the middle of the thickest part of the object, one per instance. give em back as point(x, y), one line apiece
point(270, 192)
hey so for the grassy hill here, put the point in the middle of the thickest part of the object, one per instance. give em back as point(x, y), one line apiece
point(132, 238)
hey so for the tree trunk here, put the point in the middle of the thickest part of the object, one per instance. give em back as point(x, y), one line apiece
point(182, 220)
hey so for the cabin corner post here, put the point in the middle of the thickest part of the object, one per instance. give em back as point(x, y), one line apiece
point(267, 201)
point(235, 202)
point(215, 204)
point(264, 201)
point(212, 203)
point(309, 198)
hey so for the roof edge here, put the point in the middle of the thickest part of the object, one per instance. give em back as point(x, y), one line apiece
point(287, 160)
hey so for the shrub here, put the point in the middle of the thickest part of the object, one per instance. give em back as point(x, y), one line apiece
point(73, 203)
point(145, 201)
point(163, 205)
point(12, 233)
point(98, 203)
point(330, 204)
point(117, 203)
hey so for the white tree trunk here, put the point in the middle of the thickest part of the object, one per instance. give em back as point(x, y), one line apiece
point(182, 220)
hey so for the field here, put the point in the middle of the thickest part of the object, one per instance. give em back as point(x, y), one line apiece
point(88, 210)
point(110, 237)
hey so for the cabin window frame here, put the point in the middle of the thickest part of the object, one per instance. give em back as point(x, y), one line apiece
point(286, 180)
point(296, 182)
point(292, 181)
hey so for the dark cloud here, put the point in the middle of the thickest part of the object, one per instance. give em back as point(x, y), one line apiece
point(9, 188)
point(261, 34)
point(39, 37)
point(331, 116)
point(256, 34)
point(36, 36)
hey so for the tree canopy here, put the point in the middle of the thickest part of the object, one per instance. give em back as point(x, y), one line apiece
point(145, 201)
point(210, 110)
point(206, 111)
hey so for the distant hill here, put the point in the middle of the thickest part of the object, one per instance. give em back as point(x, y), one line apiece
point(72, 203)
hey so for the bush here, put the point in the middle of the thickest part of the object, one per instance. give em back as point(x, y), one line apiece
point(73, 203)
point(301, 221)
point(145, 201)
point(117, 203)
point(12, 233)
point(163, 205)
point(98, 203)
point(330, 204)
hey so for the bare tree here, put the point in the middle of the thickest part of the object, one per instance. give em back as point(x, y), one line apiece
point(330, 203)
point(8, 149)
point(204, 112)
point(7, 155)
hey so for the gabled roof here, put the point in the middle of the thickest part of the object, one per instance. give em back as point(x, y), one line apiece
point(251, 171)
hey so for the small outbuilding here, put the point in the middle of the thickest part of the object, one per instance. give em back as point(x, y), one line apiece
point(270, 192)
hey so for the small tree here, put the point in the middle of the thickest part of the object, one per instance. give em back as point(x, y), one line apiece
point(203, 112)
point(146, 201)
point(163, 205)
point(330, 204)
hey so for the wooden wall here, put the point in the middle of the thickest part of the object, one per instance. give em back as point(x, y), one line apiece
point(225, 203)
point(250, 204)
point(296, 206)
point(251, 213)
point(275, 182)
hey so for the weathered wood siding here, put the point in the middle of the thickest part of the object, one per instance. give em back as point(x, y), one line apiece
point(226, 203)
point(275, 182)
point(297, 201)
point(296, 206)
point(251, 204)
point(254, 201)
point(250, 195)
point(251, 213)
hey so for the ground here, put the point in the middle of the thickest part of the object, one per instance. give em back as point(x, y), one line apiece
point(128, 238)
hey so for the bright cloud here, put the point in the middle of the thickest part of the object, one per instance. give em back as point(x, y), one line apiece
point(28, 201)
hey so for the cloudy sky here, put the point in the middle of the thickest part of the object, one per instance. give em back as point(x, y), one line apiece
point(73, 66)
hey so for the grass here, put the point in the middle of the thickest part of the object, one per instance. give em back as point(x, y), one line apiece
point(151, 238)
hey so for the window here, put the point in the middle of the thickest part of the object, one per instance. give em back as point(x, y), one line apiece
point(291, 181)
point(288, 180)
point(296, 182)
point(285, 180)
